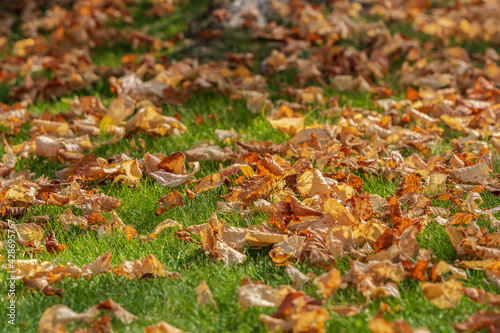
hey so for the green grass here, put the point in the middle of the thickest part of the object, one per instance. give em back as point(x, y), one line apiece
point(174, 301)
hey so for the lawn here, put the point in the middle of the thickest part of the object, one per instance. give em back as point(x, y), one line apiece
point(423, 61)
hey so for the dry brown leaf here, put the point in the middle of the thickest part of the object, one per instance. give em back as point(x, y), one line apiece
point(328, 283)
point(168, 223)
point(382, 325)
point(299, 209)
point(174, 163)
point(443, 295)
point(285, 251)
point(130, 269)
point(204, 295)
point(260, 294)
point(151, 267)
point(170, 200)
point(162, 327)
point(480, 265)
point(227, 254)
point(481, 296)
point(52, 245)
point(263, 236)
point(479, 320)
point(346, 310)
point(443, 267)
point(132, 173)
point(226, 136)
point(288, 125)
point(233, 236)
point(297, 277)
point(128, 230)
point(46, 146)
point(472, 202)
point(150, 122)
point(209, 183)
point(297, 313)
point(25, 268)
point(461, 218)
point(123, 315)
point(477, 174)
point(470, 248)
point(366, 277)
point(169, 179)
point(368, 232)
point(29, 232)
point(48, 290)
point(317, 253)
point(493, 273)
point(119, 109)
point(387, 290)
point(312, 183)
point(436, 182)
point(206, 153)
point(100, 265)
point(58, 316)
point(36, 284)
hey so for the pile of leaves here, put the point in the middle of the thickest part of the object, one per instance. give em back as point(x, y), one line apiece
point(308, 188)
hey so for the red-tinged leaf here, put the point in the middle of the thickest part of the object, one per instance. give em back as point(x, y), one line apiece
point(52, 245)
point(479, 320)
point(168, 201)
point(123, 315)
point(483, 297)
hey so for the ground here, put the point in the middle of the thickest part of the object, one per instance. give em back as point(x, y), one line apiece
point(174, 300)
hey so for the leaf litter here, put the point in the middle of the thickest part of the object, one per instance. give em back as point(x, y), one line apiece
point(309, 187)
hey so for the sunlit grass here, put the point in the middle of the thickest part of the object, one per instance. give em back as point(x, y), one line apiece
point(174, 301)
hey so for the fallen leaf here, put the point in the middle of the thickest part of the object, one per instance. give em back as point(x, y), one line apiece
point(479, 320)
point(168, 201)
point(443, 295)
point(477, 174)
point(346, 310)
point(52, 245)
point(297, 313)
point(150, 122)
point(123, 315)
point(207, 153)
point(204, 295)
point(259, 294)
point(288, 125)
point(227, 254)
point(169, 179)
point(483, 297)
point(29, 232)
point(58, 316)
point(100, 265)
point(328, 283)
point(297, 277)
point(162, 327)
